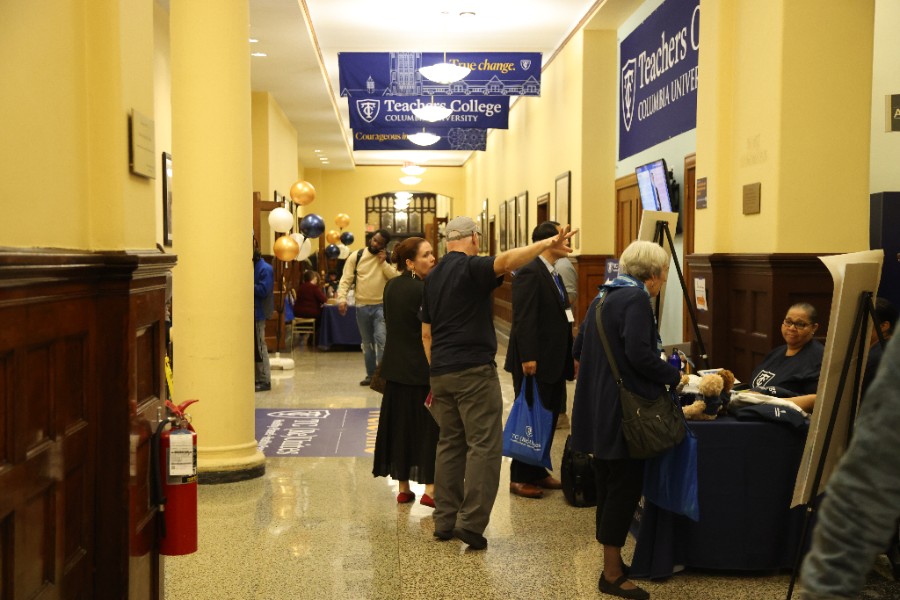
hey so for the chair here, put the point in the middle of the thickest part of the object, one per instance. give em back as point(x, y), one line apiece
point(305, 325)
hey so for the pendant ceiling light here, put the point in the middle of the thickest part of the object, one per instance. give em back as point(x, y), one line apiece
point(444, 72)
point(432, 112)
point(410, 180)
point(423, 138)
point(403, 196)
point(412, 169)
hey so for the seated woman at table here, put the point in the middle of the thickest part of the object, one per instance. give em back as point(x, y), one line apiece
point(309, 298)
point(791, 371)
point(406, 442)
point(630, 328)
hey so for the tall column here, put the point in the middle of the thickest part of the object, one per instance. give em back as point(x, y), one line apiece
point(213, 298)
point(784, 101)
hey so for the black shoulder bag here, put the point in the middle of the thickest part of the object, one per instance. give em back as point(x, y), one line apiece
point(650, 427)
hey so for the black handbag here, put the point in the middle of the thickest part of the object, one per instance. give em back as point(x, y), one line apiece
point(577, 474)
point(650, 427)
point(378, 382)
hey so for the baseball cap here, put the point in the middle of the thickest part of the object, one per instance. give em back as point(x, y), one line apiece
point(460, 227)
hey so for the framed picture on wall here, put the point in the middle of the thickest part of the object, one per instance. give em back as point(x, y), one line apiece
point(167, 198)
point(522, 219)
point(502, 236)
point(564, 202)
point(511, 222)
point(483, 225)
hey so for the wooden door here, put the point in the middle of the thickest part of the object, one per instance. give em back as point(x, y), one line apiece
point(628, 211)
point(688, 207)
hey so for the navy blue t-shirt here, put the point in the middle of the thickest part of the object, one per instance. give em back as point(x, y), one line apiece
point(457, 304)
point(788, 376)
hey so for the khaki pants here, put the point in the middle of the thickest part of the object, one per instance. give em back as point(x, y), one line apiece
point(468, 407)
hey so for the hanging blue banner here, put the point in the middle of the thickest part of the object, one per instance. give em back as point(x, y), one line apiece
point(393, 112)
point(451, 139)
point(658, 87)
point(397, 74)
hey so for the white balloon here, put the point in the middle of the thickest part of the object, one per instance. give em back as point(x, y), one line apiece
point(305, 248)
point(345, 251)
point(281, 219)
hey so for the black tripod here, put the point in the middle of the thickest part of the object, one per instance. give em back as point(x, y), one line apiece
point(859, 341)
point(660, 236)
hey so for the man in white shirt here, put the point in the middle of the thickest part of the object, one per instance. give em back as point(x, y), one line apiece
point(369, 271)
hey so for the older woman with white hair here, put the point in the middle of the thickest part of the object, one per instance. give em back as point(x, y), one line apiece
point(630, 327)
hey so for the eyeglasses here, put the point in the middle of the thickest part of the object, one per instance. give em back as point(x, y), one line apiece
point(798, 325)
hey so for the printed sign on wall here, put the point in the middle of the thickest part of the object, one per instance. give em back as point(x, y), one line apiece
point(658, 77)
point(393, 112)
point(397, 74)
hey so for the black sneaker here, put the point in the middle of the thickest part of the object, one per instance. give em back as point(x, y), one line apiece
point(366, 381)
point(263, 387)
point(476, 541)
point(443, 535)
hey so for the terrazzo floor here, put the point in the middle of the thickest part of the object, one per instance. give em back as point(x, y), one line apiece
point(326, 528)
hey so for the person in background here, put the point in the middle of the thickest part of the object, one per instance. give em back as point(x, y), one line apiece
point(792, 371)
point(461, 345)
point(406, 442)
point(569, 278)
point(331, 285)
point(862, 499)
point(309, 298)
point(540, 346)
point(886, 319)
point(368, 272)
point(630, 327)
point(263, 307)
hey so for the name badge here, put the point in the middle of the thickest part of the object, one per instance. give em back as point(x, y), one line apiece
point(569, 316)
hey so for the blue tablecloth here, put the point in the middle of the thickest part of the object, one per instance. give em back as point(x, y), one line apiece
point(746, 474)
point(335, 330)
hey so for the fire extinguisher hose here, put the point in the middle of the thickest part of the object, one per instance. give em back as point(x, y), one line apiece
point(156, 488)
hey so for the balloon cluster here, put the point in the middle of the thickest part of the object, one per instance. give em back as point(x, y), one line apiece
point(297, 245)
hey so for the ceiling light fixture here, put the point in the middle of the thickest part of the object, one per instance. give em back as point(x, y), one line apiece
point(423, 138)
point(444, 72)
point(412, 169)
point(403, 196)
point(253, 40)
point(258, 54)
point(432, 112)
point(410, 180)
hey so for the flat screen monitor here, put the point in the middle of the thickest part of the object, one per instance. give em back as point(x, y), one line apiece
point(653, 183)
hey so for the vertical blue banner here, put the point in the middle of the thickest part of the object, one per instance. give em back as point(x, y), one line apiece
point(658, 70)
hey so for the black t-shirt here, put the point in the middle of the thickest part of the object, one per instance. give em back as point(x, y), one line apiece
point(457, 304)
point(788, 376)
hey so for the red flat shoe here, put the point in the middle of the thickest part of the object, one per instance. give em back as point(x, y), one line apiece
point(427, 500)
point(405, 497)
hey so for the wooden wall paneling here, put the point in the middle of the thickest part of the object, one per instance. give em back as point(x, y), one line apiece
point(81, 346)
point(591, 269)
point(503, 305)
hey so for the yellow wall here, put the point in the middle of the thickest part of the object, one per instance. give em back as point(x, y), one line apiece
point(544, 140)
point(274, 147)
point(162, 108)
point(72, 73)
point(794, 118)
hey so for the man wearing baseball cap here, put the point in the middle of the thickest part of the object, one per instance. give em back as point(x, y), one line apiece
point(461, 345)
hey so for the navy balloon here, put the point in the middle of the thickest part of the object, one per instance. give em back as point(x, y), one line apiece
point(332, 251)
point(346, 238)
point(312, 226)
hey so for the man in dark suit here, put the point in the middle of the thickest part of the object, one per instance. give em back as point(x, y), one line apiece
point(540, 344)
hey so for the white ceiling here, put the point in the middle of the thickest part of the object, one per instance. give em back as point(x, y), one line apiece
point(302, 39)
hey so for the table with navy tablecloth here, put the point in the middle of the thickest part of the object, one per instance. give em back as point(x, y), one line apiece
point(746, 474)
point(337, 330)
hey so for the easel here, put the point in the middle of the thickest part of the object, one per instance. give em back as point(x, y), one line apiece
point(662, 227)
point(865, 311)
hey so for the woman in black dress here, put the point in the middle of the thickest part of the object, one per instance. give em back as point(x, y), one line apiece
point(407, 434)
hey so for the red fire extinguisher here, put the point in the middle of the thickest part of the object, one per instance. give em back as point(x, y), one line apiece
point(175, 485)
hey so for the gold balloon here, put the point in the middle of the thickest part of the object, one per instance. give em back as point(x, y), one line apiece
point(333, 237)
point(342, 220)
point(286, 248)
point(303, 193)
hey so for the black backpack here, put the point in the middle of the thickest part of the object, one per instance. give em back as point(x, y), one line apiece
point(578, 481)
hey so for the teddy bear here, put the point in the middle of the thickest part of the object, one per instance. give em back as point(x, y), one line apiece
point(715, 392)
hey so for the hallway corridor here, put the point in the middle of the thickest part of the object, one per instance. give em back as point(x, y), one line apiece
point(325, 528)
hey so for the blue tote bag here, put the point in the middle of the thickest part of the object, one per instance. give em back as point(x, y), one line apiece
point(529, 429)
point(670, 479)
